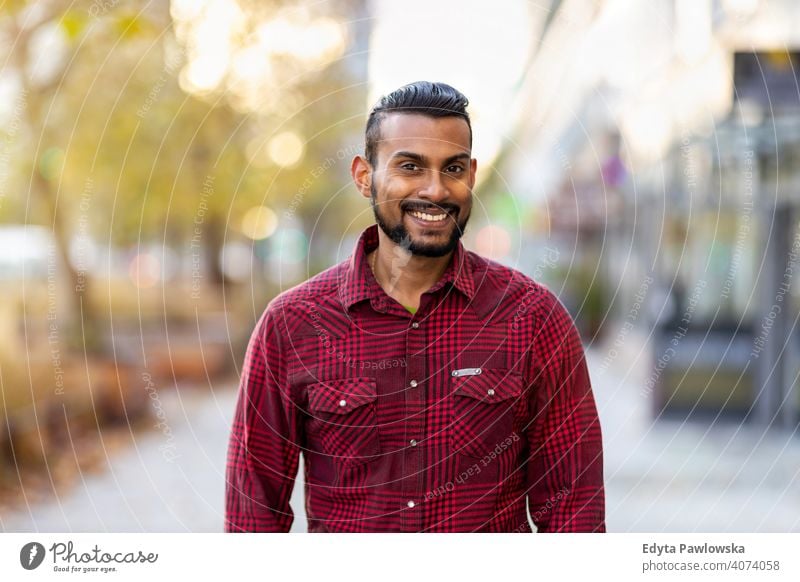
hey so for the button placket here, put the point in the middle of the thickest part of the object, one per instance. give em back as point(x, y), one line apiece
point(414, 424)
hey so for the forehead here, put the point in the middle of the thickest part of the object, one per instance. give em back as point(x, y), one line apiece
point(435, 136)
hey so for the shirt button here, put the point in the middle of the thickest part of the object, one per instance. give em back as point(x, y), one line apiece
point(490, 392)
point(343, 403)
point(413, 442)
point(415, 325)
point(413, 383)
point(411, 504)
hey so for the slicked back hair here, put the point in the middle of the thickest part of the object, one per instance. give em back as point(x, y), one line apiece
point(423, 97)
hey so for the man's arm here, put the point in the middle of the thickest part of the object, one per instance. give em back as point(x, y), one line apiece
point(263, 452)
point(565, 471)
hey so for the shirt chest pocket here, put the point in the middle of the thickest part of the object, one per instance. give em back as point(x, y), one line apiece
point(342, 421)
point(483, 407)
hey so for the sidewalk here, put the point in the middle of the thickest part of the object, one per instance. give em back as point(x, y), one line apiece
point(660, 477)
point(670, 476)
point(158, 485)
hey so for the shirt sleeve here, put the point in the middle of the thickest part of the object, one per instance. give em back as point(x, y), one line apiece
point(263, 451)
point(565, 470)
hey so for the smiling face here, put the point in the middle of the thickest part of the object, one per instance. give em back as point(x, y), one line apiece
point(421, 184)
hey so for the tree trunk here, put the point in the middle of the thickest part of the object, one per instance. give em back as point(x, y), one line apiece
point(82, 327)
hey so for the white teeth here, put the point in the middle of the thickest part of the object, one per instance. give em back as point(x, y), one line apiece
point(429, 217)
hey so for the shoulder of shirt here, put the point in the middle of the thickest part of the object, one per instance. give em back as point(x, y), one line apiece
point(512, 294)
point(313, 303)
point(502, 293)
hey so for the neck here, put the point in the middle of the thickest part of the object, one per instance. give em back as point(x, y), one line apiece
point(403, 276)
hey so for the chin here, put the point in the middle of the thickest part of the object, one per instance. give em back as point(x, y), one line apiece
point(436, 245)
point(431, 252)
point(431, 249)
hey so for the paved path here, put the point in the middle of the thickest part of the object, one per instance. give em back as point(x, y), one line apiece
point(671, 476)
point(667, 476)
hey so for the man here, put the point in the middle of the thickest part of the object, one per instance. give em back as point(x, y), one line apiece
point(428, 389)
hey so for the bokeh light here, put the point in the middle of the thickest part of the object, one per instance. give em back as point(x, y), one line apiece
point(259, 222)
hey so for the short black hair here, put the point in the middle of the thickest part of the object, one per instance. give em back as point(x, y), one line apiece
point(425, 97)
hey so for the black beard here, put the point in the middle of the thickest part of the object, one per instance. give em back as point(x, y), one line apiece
point(399, 234)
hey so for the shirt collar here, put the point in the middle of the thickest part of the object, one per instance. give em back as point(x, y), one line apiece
point(359, 284)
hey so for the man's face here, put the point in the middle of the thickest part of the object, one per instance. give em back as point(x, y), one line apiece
point(422, 182)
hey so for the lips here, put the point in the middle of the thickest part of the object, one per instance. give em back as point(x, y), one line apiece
point(431, 221)
point(427, 217)
point(430, 213)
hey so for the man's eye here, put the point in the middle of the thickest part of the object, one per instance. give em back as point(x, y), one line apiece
point(455, 169)
point(410, 167)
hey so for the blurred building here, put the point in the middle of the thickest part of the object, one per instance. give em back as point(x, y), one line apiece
point(660, 141)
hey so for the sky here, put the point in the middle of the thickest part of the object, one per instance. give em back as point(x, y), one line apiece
point(478, 47)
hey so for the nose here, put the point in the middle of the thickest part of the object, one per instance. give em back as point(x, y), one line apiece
point(435, 188)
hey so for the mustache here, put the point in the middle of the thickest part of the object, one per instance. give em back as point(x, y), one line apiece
point(422, 206)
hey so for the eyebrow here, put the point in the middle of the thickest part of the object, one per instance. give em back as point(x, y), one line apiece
point(424, 160)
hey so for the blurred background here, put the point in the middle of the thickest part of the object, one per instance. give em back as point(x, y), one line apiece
point(166, 168)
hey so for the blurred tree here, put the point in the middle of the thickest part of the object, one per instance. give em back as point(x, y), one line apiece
point(127, 140)
point(48, 42)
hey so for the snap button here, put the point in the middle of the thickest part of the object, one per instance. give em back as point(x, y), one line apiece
point(413, 383)
point(411, 504)
point(490, 392)
point(413, 442)
point(415, 325)
point(343, 402)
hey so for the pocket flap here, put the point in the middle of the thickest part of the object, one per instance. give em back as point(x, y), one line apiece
point(341, 396)
point(490, 386)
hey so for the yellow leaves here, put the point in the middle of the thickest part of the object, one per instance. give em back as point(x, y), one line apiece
point(73, 23)
point(51, 163)
point(129, 26)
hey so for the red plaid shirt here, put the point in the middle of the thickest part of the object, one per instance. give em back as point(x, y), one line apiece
point(441, 421)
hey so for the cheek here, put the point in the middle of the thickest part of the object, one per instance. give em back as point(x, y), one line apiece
point(392, 192)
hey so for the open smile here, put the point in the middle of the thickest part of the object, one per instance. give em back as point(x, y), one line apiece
point(431, 216)
point(428, 217)
point(434, 218)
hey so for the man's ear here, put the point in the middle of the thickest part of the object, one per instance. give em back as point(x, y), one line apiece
point(361, 171)
point(473, 169)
